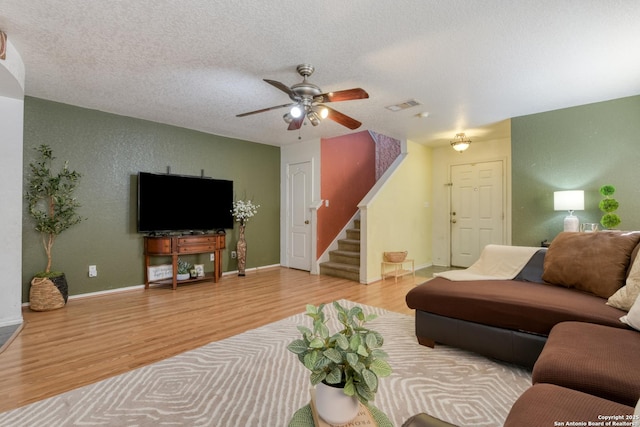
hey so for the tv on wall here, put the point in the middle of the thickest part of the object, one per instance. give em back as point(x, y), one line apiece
point(178, 203)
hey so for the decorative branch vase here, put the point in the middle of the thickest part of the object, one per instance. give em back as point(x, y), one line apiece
point(241, 250)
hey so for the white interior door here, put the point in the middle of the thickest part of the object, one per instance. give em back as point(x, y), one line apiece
point(477, 210)
point(299, 177)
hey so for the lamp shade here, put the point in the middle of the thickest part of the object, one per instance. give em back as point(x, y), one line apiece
point(572, 200)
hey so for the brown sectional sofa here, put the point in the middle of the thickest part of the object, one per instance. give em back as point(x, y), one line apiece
point(546, 405)
point(556, 316)
point(504, 319)
point(594, 359)
point(585, 373)
point(510, 319)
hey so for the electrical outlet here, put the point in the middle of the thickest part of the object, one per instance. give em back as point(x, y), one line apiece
point(234, 254)
point(93, 271)
point(212, 257)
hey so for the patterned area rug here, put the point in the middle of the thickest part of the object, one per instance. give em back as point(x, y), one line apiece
point(7, 334)
point(252, 380)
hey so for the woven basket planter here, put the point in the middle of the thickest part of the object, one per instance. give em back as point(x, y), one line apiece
point(48, 293)
point(395, 256)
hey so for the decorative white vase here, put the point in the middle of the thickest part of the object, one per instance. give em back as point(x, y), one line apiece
point(334, 406)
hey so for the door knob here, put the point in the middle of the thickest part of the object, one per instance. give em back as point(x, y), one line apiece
point(306, 221)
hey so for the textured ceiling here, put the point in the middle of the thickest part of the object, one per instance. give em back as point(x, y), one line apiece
point(198, 63)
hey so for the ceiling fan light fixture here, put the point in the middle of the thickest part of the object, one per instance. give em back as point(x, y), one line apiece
point(313, 118)
point(296, 111)
point(308, 102)
point(460, 142)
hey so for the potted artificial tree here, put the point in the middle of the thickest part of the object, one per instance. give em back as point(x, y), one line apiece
point(53, 207)
point(609, 205)
point(344, 366)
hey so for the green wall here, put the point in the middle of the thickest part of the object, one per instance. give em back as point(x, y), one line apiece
point(578, 148)
point(109, 150)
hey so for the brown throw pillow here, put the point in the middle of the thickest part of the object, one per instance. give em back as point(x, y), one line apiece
point(591, 262)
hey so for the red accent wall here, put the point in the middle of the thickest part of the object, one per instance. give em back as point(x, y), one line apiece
point(347, 173)
point(387, 151)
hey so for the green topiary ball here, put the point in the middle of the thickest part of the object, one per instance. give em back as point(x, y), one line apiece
point(607, 190)
point(610, 220)
point(608, 205)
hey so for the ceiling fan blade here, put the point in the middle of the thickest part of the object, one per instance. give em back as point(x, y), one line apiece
point(296, 123)
point(342, 119)
point(342, 95)
point(286, 89)
point(266, 109)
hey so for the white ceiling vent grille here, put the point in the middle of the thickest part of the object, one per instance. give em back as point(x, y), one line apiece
point(403, 106)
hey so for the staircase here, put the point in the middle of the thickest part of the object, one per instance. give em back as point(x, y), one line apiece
point(345, 261)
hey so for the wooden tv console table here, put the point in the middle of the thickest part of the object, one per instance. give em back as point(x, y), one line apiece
point(175, 246)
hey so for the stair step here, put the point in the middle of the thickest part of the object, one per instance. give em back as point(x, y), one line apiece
point(345, 257)
point(349, 245)
point(356, 223)
point(353, 233)
point(336, 269)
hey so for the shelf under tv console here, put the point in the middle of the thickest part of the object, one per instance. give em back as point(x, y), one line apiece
point(174, 246)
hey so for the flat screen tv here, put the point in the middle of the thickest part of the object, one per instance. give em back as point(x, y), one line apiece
point(177, 203)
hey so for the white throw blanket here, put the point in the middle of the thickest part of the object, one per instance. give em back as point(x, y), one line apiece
point(496, 262)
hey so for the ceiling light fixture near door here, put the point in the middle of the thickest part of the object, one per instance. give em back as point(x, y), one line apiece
point(460, 142)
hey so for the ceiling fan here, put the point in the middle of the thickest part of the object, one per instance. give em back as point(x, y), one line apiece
point(308, 102)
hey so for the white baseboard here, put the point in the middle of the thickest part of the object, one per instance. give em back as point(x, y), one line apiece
point(107, 292)
point(251, 270)
point(137, 287)
point(11, 322)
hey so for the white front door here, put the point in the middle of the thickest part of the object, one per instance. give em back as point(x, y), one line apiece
point(299, 177)
point(477, 210)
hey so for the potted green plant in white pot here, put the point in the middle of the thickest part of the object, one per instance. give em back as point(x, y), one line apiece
point(53, 207)
point(184, 269)
point(345, 365)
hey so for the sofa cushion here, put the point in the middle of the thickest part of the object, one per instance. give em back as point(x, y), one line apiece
point(521, 306)
point(550, 405)
point(592, 262)
point(594, 359)
point(633, 317)
point(626, 295)
point(533, 269)
point(634, 255)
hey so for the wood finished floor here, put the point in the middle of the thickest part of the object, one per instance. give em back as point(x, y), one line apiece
point(98, 337)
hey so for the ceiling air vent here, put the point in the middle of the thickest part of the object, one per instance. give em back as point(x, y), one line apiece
point(403, 106)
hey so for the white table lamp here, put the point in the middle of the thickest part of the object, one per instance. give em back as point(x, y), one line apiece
point(572, 200)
